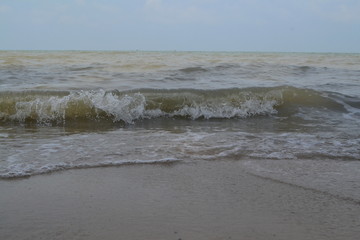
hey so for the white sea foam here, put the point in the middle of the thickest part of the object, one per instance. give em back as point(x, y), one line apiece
point(4, 135)
point(93, 105)
point(23, 170)
point(62, 111)
point(81, 104)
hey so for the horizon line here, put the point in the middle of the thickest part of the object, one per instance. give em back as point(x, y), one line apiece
point(199, 51)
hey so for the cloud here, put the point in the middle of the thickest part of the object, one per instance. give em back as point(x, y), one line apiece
point(347, 11)
point(181, 24)
point(75, 14)
point(177, 12)
point(153, 3)
point(80, 2)
point(4, 9)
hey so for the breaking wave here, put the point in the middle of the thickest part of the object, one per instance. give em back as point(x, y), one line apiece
point(61, 107)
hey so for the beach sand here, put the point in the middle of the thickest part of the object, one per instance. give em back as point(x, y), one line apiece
point(198, 200)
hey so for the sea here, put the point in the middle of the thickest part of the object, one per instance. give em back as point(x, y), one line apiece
point(292, 117)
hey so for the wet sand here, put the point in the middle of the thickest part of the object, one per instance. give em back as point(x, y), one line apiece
point(204, 200)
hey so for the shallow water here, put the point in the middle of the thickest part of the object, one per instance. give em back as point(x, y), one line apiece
point(68, 109)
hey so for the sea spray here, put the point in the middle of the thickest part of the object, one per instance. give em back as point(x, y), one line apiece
point(52, 107)
point(67, 110)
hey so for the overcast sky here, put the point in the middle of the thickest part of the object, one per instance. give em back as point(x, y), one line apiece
point(195, 25)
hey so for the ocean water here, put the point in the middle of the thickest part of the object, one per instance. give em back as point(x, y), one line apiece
point(288, 116)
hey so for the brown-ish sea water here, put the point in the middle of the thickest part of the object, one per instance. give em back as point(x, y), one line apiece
point(294, 117)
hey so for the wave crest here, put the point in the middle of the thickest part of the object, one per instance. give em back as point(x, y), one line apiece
point(49, 107)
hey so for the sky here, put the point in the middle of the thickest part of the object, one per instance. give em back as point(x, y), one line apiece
point(181, 25)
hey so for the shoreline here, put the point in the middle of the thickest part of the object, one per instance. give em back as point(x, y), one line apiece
point(199, 200)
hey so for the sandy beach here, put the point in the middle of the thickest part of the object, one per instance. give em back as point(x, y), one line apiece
point(200, 200)
point(179, 120)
